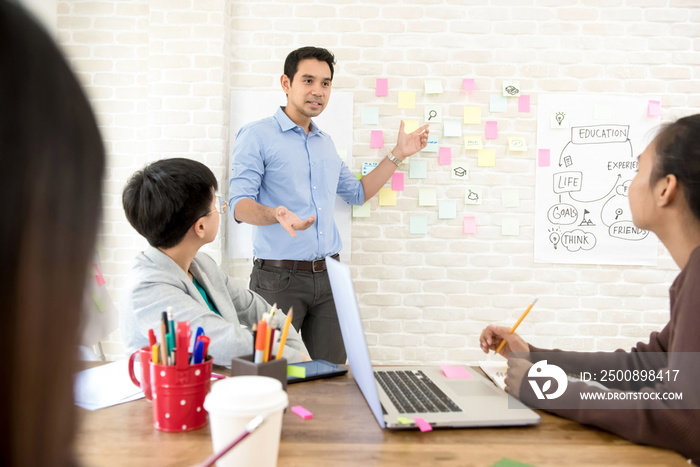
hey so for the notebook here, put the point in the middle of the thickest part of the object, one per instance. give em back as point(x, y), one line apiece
point(471, 401)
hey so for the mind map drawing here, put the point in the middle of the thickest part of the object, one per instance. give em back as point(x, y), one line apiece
point(582, 212)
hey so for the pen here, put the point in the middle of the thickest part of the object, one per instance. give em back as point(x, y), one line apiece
point(182, 344)
point(283, 339)
point(515, 326)
point(249, 428)
point(151, 338)
point(255, 336)
point(163, 341)
point(260, 341)
point(154, 353)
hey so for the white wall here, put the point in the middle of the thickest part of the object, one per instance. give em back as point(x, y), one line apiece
point(159, 75)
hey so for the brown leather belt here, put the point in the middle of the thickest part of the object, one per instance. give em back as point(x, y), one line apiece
point(317, 265)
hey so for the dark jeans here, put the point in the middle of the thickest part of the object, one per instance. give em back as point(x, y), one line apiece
point(309, 294)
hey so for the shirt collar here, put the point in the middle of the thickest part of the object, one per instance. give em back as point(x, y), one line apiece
point(286, 123)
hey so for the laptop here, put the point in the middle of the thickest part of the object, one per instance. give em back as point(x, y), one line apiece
point(389, 391)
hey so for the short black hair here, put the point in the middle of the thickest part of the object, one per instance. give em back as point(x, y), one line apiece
point(166, 197)
point(678, 153)
point(291, 64)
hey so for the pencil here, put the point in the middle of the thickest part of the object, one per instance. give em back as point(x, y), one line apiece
point(283, 339)
point(515, 326)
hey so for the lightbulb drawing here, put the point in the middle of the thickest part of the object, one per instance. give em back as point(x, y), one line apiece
point(559, 117)
point(554, 237)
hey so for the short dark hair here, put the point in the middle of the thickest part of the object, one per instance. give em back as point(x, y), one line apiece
point(291, 64)
point(678, 153)
point(163, 200)
point(51, 168)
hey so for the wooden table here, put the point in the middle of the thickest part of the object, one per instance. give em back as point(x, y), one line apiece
point(344, 432)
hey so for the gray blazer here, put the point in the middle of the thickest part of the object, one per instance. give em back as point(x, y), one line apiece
point(157, 282)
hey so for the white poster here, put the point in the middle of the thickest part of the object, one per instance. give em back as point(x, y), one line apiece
point(336, 120)
point(587, 157)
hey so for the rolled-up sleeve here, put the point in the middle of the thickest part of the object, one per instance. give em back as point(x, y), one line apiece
point(350, 189)
point(247, 168)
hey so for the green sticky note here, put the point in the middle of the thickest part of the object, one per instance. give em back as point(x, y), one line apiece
point(510, 226)
point(403, 420)
point(418, 169)
point(296, 371)
point(447, 210)
point(427, 197)
point(418, 225)
point(505, 462)
point(361, 211)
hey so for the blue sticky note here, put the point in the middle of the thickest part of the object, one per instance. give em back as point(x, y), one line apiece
point(370, 115)
point(498, 103)
point(418, 225)
point(418, 169)
point(433, 143)
point(447, 210)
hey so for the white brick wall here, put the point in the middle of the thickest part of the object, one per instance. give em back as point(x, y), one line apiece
point(159, 75)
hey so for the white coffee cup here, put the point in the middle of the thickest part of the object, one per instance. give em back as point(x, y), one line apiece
point(234, 402)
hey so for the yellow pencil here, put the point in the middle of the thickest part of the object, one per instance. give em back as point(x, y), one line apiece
point(283, 339)
point(515, 326)
point(266, 349)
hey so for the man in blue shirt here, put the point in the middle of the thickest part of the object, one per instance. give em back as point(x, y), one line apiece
point(286, 174)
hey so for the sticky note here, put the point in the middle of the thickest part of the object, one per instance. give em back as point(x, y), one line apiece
point(296, 371)
point(409, 126)
point(370, 115)
point(511, 88)
point(418, 169)
point(654, 108)
point(459, 171)
point(361, 211)
point(602, 111)
point(100, 279)
point(418, 225)
point(469, 225)
point(505, 462)
point(498, 104)
point(473, 195)
point(510, 226)
point(486, 158)
point(433, 86)
point(367, 167)
point(468, 84)
point(403, 420)
point(397, 182)
point(433, 143)
point(422, 424)
point(491, 129)
point(342, 153)
point(447, 209)
point(473, 142)
point(452, 128)
point(358, 176)
point(427, 197)
point(377, 139)
point(445, 156)
point(517, 144)
point(543, 158)
point(432, 113)
point(302, 412)
point(524, 103)
point(407, 100)
point(472, 116)
point(387, 197)
point(382, 87)
point(455, 372)
point(510, 198)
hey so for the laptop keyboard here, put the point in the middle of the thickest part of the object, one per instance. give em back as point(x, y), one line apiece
point(413, 391)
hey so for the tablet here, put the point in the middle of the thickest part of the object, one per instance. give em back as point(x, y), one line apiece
point(317, 369)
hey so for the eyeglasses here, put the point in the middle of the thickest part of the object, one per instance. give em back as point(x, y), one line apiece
point(221, 205)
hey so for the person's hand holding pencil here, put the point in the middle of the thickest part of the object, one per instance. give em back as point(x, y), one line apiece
point(509, 340)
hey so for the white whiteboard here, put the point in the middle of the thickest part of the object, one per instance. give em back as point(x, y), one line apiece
point(336, 120)
point(582, 213)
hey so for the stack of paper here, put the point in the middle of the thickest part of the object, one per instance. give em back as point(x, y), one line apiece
point(496, 371)
point(106, 385)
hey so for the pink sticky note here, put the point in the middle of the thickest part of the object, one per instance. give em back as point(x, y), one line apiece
point(469, 226)
point(456, 372)
point(524, 103)
point(422, 424)
point(445, 157)
point(543, 158)
point(99, 278)
point(377, 139)
point(468, 84)
point(397, 182)
point(302, 412)
point(654, 109)
point(491, 129)
point(382, 87)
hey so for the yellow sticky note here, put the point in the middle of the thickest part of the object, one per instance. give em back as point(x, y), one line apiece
point(407, 100)
point(486, 158)
point(472, 116)
point(409, 126)
point(361, 211)
point(296, 371)
point(517, 144)
point(473, 142)
point(427, 197)
point(387, 197)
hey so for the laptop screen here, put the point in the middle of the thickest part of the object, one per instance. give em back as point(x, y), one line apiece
point(353, 334)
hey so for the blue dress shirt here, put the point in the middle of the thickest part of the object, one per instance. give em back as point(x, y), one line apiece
point(275, 163)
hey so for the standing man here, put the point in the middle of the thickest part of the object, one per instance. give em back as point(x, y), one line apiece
point(286, 173)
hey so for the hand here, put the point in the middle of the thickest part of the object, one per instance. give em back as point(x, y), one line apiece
point(517, 369)
point(409, 144)
point(305, 358)
point(291, 222)
point(492, 336)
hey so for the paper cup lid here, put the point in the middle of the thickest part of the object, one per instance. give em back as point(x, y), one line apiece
point(246, 396)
